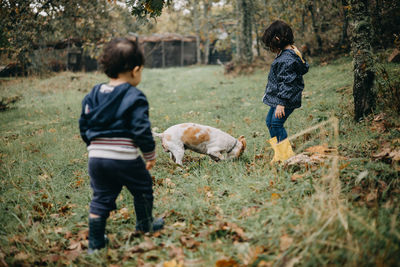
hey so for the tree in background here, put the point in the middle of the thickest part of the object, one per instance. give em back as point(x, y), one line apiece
point(20, 28)
point(245, 52)
point(143, 9)
point(364, 75)
point(26, 26)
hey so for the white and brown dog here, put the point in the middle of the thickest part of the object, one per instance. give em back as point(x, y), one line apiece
point(202, 139)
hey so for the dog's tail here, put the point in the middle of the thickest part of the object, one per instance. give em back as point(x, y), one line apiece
point(160, 135)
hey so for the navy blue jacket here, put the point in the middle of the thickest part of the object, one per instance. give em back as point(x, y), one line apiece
point(122, 112)
point(285, 80)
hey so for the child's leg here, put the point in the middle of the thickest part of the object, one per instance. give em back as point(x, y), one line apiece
point(139, 183)
point(268, 119)
point(276, 125)
point(143, 203)
point(106, 187)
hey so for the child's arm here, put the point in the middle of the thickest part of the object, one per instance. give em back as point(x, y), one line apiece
point(140, 128)
point(83, 124)
point(287, 87)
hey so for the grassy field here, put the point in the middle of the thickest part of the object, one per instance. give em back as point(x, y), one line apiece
point(341, 210)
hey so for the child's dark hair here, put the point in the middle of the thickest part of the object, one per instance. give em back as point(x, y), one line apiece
point(120, 55)
point(277, 36)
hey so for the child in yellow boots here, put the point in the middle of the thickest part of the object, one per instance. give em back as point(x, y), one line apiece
point(285, 85)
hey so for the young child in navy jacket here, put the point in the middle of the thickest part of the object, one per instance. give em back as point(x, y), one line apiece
point(285, 80)
point(115, 125)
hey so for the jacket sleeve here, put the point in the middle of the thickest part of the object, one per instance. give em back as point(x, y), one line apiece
point(140, 128)
point(286, 77)
point(83, 123)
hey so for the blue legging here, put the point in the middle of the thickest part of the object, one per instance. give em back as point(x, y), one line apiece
point(275, 125)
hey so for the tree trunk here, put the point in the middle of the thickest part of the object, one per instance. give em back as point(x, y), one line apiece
point(364, 98)
point(196, 23)
point(378, 29)
point(206, 13)
point(343, 39)
point(246, 47)
point(311, 8)
point(237, 32)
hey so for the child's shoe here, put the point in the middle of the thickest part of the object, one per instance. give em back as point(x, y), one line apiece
point(282, 150)
point(150, 225)
point(97, 237)
point(144, 218)
point(158, 224)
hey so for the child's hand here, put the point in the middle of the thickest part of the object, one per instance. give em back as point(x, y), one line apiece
point(150, 164)
point(279, 112)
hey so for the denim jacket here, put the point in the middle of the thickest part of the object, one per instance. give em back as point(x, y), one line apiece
point(285, 80)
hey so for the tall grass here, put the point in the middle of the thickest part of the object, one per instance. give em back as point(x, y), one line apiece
point(244, 210)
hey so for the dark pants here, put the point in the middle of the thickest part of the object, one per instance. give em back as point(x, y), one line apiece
point(275, 125)
point(107, 176)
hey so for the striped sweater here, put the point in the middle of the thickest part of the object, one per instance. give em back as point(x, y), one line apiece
point(115, 123)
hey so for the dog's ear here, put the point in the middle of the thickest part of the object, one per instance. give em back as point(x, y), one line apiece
point(243, 141)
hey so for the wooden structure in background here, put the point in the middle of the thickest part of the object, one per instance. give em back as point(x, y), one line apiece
point(168, 50)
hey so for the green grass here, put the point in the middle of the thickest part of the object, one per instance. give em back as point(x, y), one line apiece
point(245, 210)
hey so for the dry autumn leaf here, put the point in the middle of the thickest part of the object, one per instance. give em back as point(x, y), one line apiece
point(275, 196)
point(248, 211)
point(51, 258)
point(176, 253)
point(395, 155)
point(249, 258)
point(285, 242)
point(321, 149)
point(21, 256)
point(226, 263)
point(189, 242)
point(382, 154)
point(172, 263)
point(296, 177)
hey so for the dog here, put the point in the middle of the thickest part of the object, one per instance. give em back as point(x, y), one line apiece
point(201, 139)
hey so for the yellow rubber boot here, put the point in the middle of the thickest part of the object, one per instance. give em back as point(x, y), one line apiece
point(282, 150)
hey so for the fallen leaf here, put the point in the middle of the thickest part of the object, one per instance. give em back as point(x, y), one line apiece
point(147, 245)
point(226, 263)
point(72, 254)
point(251, 256)
point(189, 242)
point(379, 117)
point(176, 253)
point(275, 196)
point(395, 155)
point(263, 263)
point(75, 245)
point(259, 156)
point(321, 149)
point(372, 195)
point(83, 234)
point(285, 242)
point(228, 228)
point(172, 263)
point(248, 211)
point(382, 154)
point(21, 256)
point(179, 224)
point(125, 213)
point(296, 177)
point(51, 258)
point(344, 165)
point(68, 235)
